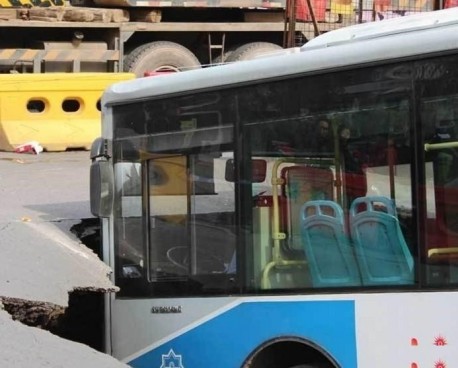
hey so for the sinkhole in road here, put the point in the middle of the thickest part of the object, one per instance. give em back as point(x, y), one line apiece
point(83, 319)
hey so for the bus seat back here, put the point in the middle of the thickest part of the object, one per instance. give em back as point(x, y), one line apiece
point(382, 253)
point(302, 184)
point(328, 251)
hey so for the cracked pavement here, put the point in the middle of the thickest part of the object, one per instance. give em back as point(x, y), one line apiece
point(42, 197)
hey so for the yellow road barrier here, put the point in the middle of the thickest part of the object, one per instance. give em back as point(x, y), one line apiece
point(60, 111)
point(29, 3)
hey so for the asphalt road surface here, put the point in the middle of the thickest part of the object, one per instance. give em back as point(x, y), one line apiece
point(41, 261)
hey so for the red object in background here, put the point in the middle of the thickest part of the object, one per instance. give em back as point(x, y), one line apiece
point(263, 201)
point(156, 73)
point(319, 9)
point(29, 147)
point(450, 3)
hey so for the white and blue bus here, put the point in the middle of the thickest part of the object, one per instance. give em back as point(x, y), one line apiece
point(297, 210)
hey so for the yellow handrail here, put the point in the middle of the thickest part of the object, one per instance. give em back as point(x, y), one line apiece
point(277, 234)
point(443, 253)
point(438, 146)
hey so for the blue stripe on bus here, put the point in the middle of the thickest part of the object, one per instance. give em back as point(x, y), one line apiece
point(228, 339)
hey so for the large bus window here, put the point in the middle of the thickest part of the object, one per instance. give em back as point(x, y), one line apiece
point(128, 213)
point(336, 209)
point(191, 234)
point(439, 113)
point(174, 224)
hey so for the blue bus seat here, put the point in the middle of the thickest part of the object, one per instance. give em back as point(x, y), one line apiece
point(381, 250)
point(328, 251)
point(302, 184)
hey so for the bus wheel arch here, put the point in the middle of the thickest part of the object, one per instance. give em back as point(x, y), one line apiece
point(252, 50)
point(160, 56)
point(289, 352)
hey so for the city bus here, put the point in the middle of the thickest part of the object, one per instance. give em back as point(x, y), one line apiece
point(296, 210)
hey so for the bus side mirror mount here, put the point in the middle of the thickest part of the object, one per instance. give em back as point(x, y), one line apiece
point(101, 188)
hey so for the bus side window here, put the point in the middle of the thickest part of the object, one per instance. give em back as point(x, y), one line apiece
point(442, 204)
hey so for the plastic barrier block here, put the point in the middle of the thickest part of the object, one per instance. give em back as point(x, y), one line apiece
point(60, 111)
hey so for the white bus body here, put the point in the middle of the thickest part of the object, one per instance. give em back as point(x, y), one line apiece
point(392, 84)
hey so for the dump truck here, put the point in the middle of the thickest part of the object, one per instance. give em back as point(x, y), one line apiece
point(154, 36)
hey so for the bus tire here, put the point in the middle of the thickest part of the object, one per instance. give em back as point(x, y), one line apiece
point(251, 50)
point(159, 56)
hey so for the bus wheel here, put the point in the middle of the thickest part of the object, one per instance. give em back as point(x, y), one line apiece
point(251, 50)
point(160, 56)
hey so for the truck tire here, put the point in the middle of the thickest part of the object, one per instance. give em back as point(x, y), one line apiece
point(160, 56)
point(251, 50)
point(227, 53)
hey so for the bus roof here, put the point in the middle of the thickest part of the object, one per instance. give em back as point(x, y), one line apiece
point(373, 30)
point(392, 39)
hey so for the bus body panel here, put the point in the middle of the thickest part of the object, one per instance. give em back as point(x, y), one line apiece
point(355, 330)
point(392, 90)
